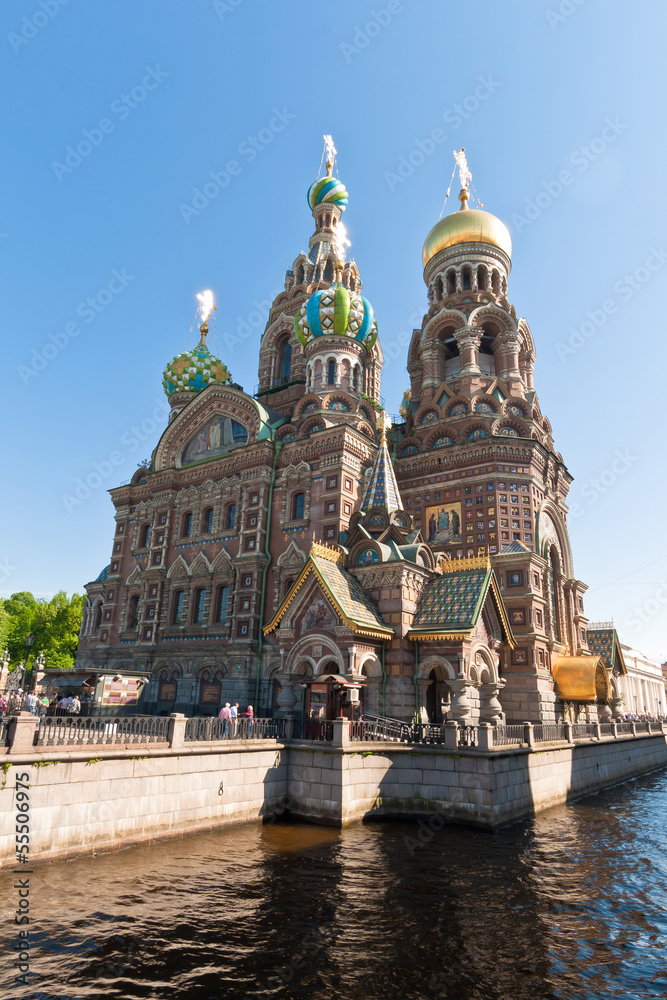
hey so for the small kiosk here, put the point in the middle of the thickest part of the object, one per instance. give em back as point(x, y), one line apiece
point(335, 696)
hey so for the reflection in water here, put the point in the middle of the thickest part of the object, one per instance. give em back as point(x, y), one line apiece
point(572, 904)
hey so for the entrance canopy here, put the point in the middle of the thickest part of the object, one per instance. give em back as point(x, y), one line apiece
point(581, 678)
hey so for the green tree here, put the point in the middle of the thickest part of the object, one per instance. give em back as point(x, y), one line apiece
point(54, 625)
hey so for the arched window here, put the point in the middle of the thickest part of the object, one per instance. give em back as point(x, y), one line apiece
point(230, 516)
point(210, 687)
point(355, 378)
point(494, 282)
point(222, 604)
point(466, 279)
point(553, 593)
point(133, 615)
point(186, 525)
point(285, 362)
point(328, 273)
point(331, 372)
point(481, 278)
point(298, 506)
point(98, 616)
point(207, 521)
point(451, 282)
point(198, 606)
point(177, 607)
point(145, 536)
point(438, 289)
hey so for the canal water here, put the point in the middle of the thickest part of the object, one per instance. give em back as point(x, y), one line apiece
point(571, 904)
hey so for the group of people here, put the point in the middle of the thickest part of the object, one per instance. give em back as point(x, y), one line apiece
point(230, 715)
point(18, 701)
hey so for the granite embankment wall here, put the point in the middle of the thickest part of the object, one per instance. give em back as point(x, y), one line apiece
point(106, 798)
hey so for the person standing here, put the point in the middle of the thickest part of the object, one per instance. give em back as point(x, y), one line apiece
point(226, 715)
point(235, 717)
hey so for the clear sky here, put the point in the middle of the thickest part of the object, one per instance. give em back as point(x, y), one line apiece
point(560, 105)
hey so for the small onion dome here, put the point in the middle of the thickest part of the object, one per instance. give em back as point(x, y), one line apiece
point(468, 225)
point(192, 371)
point(338, 311)
point(327, 190)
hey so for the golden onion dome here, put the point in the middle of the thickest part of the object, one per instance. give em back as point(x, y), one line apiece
point(468, 225)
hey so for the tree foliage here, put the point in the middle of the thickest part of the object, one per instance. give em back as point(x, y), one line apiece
point(54, 625)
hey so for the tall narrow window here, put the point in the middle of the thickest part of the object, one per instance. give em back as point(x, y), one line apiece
point(177, 608)
point(451, 282)
point(331, 372)
point(222, 604)
point(133, 616)
point(298, 505)
point(285, 362)
point(198, 610)
point(355, 379)
point(230, 516)
point(145, 536)
point(553, 585)
point(186, 525)
point(98, 616)
point(208, 521)
point(466, 279)
point(327, 271)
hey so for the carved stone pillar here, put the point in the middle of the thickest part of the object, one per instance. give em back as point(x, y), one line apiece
point(490, 708)
point(604, 713)
point(468, 339)
point(287, 698)
point(461, 709)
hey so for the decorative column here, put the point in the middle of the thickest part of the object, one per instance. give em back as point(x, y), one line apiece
point(287, 698)
point(461, 709)
point(490, 708)
point(468, 339)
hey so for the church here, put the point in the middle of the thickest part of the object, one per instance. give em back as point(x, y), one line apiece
point(293, 544)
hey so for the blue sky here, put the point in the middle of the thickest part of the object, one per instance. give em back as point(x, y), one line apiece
point(560, 106)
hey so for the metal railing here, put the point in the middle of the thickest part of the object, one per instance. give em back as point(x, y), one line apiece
point(550, 732)
point(315, 730)
point(210, 730)
point(508, 736)
point(86, 731)
point(377, 728)
point(468, 736)
point(624, 728)
point(4, 731)
point(606, 729)
point(584, 731)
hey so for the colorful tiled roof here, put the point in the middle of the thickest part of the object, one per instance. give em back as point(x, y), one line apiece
point(104, 575)
point(343, 590)
point(453, 602)
point(382, 489)
point(603, 642)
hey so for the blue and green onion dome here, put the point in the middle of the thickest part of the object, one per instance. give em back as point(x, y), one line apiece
point(327, 190)
point(193, 370)
point(336, 311)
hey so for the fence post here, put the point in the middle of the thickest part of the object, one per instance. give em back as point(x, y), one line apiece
point(341, 732)
point(614, 730)
point(598, 731)
point(176, 731)
point(451, 735)
point(528, 734)
point(485, 736)
point(569, 735)
point(634, 728)
point(289, 727)
point(21, 736)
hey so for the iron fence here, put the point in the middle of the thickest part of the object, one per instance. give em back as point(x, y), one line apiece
point(624, 728)
point(584, 731)
point(550, 732)
point(86, 731)
point(316, 730)
point(375, 728)
point(468, 736)
point(508, 736)
point(211, 729)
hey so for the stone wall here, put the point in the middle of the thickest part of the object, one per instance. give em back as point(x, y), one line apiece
point(105, 798)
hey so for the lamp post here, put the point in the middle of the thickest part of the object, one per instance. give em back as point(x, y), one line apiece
point(29, 640)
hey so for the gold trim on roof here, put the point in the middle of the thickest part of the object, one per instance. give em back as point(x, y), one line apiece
point(323, 551)
point(469, 562)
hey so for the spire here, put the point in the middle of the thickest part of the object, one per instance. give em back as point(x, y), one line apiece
point(382, 490)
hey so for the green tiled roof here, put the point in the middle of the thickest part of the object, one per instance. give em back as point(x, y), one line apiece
point(349, 595)
point(453, 601)
point(604, 643)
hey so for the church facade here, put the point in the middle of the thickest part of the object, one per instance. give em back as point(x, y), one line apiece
point(296, 533)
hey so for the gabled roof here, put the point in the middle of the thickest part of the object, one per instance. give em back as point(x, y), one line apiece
point(451, 604)
point(604, 642)
point(513, 548)
point(345, 593)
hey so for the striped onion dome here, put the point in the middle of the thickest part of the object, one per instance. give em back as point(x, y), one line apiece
point(328, 190)
point(337, 311)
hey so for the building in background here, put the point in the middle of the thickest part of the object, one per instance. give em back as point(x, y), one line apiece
point(296, 533)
